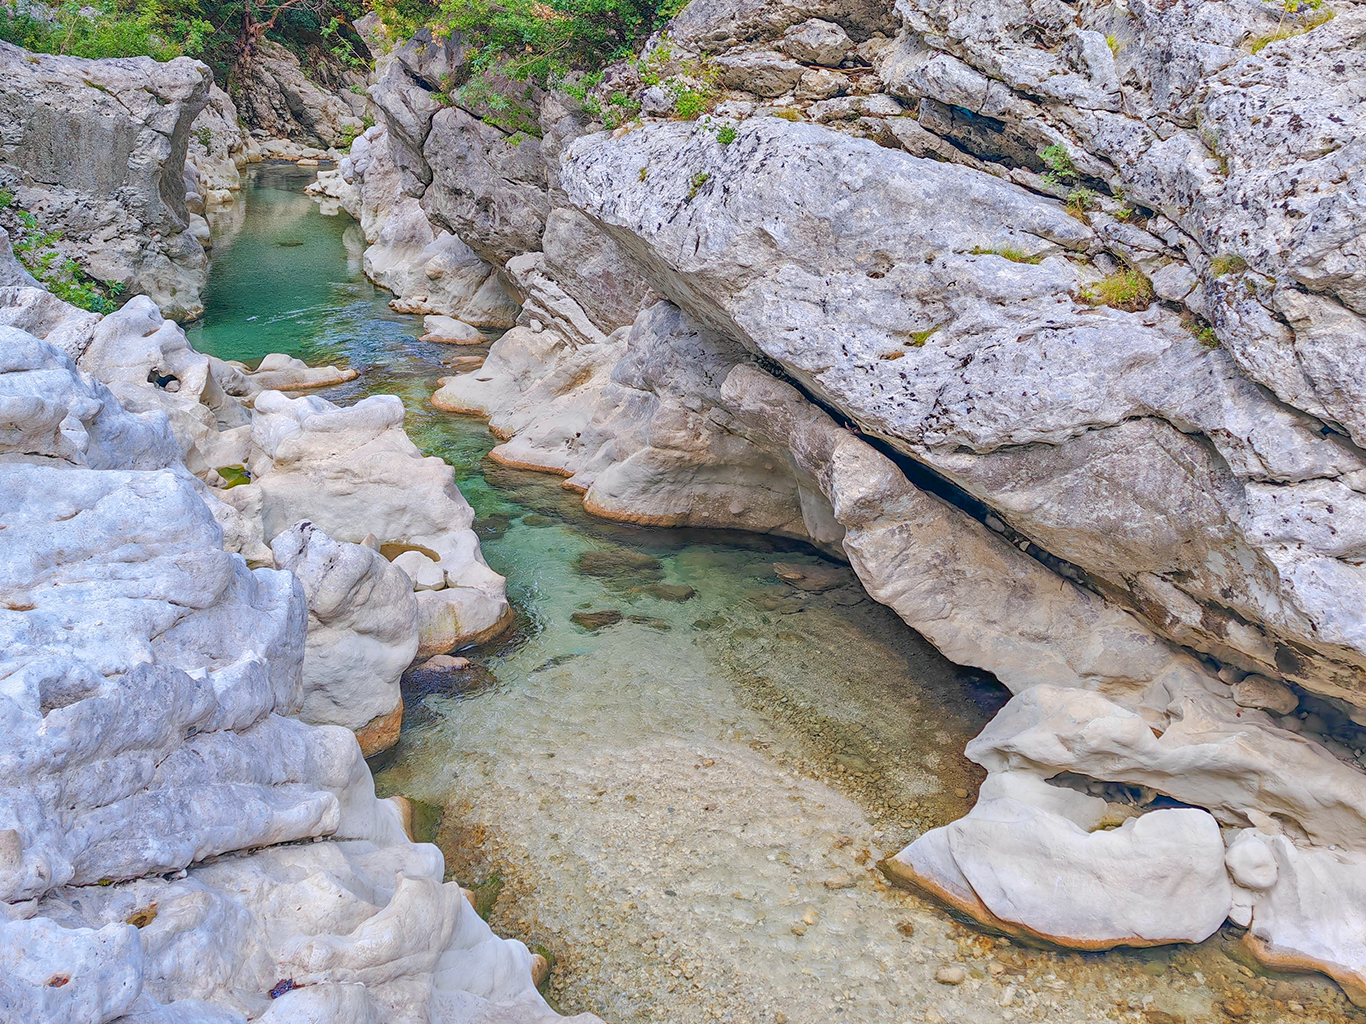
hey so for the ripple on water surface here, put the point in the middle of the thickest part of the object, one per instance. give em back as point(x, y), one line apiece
point(682, 795)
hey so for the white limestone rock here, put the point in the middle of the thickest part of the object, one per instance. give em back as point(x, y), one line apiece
point(50, 408)
point(279, 372)
point(428, 269)
point(817, 42)
point(354, 472)
point(146, 683)
point(450, 331)
point(362, 627)
point(218, 148)
point(149, 365)
point(892, 309)
point(1038, 871)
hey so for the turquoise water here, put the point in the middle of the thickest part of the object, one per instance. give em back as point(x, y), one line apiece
point(672, 803)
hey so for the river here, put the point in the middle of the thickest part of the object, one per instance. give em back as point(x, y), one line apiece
point(683, 808)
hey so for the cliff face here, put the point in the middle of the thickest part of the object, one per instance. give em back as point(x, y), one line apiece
point(1048, 318)
point(96, 150)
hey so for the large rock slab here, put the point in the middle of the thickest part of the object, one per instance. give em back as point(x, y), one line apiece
point(98, 146)
point(868, 276)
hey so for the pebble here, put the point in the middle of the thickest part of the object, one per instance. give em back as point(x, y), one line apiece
point(1234, 1007)
point(951, 975)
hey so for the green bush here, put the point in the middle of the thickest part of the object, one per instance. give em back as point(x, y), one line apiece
point(106, 29)
point(36, 248)
point(224, 33)
point(1125, 289)
point(536, 41)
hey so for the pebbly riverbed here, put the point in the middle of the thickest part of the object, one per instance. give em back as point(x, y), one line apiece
point(677, 772)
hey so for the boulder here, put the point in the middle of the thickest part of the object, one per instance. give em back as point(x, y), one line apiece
point(353, 472)
point(362, 629)
point(278, 372)
point(450, 331)
point(817, 42)
point(98, 146)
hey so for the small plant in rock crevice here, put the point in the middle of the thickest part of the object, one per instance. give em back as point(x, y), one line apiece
point(727, 134)
point(1008, 252)
point(1227, 263)
point(698, 180)
point(1125, 289)
point(1201, 328)
point(1321, 16)
point(1079, 200)
point(1059, 163)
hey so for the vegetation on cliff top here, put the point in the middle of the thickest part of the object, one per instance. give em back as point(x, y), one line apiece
point(223, 33)
point(535, 41)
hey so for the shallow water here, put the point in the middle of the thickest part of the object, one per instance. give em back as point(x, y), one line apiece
point(684, 807)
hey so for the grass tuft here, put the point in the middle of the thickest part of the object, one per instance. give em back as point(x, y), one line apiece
point(1125, 289)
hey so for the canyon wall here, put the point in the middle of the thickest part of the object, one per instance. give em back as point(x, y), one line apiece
point(1048, 318)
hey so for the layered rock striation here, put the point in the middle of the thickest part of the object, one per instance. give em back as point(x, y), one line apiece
point(1043, 317)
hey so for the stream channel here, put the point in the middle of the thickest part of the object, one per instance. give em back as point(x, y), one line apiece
point(685, 808)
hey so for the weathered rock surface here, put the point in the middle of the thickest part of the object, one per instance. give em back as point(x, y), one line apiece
point(151, 687)
point(362, 629)
point(888, 333)
point(875, 330)
point(278, 98)
point(96, 149)
point(429, 269)
point(354, 473)
point(218, 148)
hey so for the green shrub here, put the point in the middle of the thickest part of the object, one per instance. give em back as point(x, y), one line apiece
point(222, 32)
point(726, 134)
point(538, 41)
point(36, 248)
point(1059, 164)
point(698, 180)
point(691, 103)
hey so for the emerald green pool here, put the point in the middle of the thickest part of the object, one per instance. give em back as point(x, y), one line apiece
point(685, 807)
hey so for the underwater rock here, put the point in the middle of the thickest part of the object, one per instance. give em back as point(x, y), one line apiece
point(595, 621)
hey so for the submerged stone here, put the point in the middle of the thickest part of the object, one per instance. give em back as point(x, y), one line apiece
point(596, 620)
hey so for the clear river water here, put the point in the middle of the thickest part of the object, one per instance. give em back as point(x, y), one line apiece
point(685, 808)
